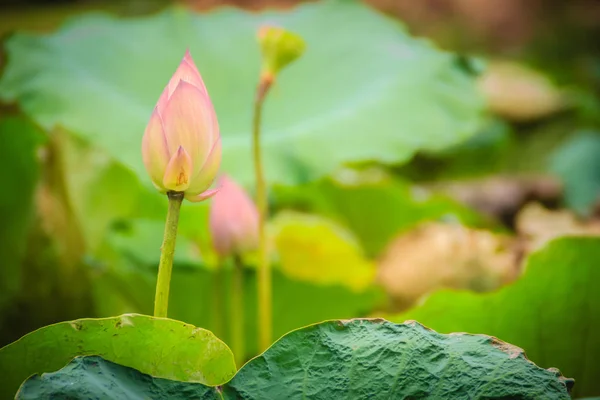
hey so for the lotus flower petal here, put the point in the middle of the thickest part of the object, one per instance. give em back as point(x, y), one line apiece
point(186, 72)
point(187, 123)
point(233, 220)
point(207, 173)
point(178, 173)
point(202, 196)
point(155, 152)
point(181, 147)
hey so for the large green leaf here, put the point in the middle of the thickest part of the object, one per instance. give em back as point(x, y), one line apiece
point(552, 311)
point(365, 90)
point(355, 359)
point(157, 346)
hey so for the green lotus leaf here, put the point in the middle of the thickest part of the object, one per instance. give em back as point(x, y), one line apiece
point(158, 346)
point(352, 359)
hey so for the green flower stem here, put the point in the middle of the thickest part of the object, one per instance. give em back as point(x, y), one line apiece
point(265, 319)
point(161, 299)
point(237, 311)
point(218, 311)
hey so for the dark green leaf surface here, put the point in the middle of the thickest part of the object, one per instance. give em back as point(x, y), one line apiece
point(157, 346)
point(552, 311)
point(93, 377)
point(365, 90)
point(353, 359)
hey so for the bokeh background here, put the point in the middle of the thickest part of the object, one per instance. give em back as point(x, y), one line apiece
point(424, 159)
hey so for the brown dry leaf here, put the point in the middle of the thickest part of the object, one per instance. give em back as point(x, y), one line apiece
point(439, 255)
point(255, 5)
point(518, 93)
point(536, 225)
point(502, 196)
point(506, 22)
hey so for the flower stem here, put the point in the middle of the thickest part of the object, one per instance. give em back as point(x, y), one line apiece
point(237, 311)
point(161, 299)
point(218, 311)
point(265, 323)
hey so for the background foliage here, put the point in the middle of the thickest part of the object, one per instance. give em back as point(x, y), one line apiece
point(406, 146)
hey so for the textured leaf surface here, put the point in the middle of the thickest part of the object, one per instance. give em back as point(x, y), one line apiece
point(361, 91)
point(552, 311)
point(160, 347)
point(93, 377)
point(354, 359)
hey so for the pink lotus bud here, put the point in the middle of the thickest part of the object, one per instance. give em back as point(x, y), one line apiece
point(181, 147)
point(233, 220)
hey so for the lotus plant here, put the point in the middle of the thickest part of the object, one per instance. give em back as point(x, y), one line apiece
point(233, 222)
point(279, 48)
point(181, 150)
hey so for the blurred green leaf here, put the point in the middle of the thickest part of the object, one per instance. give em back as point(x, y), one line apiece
point(101, 191)
point(141, 240)
point(158, 346)
point(482, 154)
point(19, 173)
point(355, 359)
point(577, 163)
point(552, 311)
point(375, 211)
point(295, 303)
point(317, 250)
point(120, 286)
point(498, 149)
point(365, 90)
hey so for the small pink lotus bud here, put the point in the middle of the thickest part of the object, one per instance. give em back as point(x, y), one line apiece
point(181, 147)
point(233, 220)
